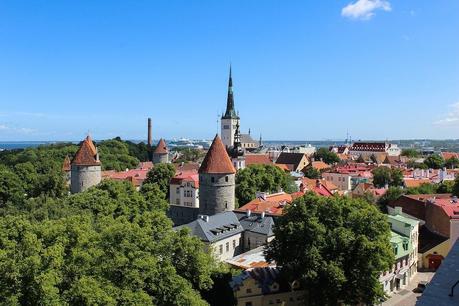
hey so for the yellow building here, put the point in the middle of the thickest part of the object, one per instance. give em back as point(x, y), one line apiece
point(263, 286)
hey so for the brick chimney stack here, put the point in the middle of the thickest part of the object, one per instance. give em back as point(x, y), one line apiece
point(149, 133)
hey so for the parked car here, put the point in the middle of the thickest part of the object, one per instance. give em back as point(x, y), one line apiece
point(421, 287)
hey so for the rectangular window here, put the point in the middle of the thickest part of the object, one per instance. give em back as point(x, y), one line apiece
point(227, 247)
point(221, 249)
point(234, 243)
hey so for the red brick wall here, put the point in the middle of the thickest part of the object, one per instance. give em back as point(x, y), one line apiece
point(413, 207)
point(437, 220)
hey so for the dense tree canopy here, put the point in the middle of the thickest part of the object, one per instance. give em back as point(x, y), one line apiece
point(452, 163)
point(161, 175)
point(189, 155)
point(434, 161)
point(326, 156)
point(336, 247)
point(114, 155)
point(311, 172)
point(387, 176)
point(265, 178)
point(410, 153)
point(105, 246)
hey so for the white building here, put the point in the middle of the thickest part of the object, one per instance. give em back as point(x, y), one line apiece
point(369, 148)
point(184, 190)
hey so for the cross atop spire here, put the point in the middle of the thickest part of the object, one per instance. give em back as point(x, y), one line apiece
point(230, 110)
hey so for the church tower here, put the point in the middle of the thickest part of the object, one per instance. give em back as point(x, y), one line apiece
point(236, 151)
point(85, 167)
point(230, 119)
point(216, 181)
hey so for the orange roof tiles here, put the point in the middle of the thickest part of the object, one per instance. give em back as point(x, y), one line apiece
point(161, 147)
point(272, 204)
point(86, 154)
point(320, 165)
point(66, 167)
point(257, 159)
point(217, 159)
point(412, 183)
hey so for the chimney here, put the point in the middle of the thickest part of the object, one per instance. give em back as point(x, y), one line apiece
point(149, 141)
point(263, 215)
point(248, 213)
point(318, 184)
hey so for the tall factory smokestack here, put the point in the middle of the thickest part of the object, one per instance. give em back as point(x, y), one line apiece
point(149, 133)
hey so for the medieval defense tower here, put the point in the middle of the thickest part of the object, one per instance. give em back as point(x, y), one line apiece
point(161, 153)
point(85, 167)
point(216, 180)
point(229, 119)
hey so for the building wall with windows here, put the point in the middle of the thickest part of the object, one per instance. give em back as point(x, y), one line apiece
point(184, 193)
point(226, 248)
point(216, 193)
point(342, 181)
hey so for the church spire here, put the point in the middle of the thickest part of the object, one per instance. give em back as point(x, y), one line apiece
point(230, 111)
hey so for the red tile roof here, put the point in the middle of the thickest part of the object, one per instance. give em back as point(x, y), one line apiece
point(272, 204)
point(257, 159)
point(217, 159)
point(369, 146)
point(187, 176)
point(315, 185)
point(161, 147)
point(66, 167)
point(448, 155)
point(449, 206)
point(86, 154)
point(136, 176)
point(320, 165)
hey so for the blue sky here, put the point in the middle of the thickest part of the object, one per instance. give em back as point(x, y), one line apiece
point(303, 70)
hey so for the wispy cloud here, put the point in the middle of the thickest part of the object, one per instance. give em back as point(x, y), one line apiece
point(18, 130)
point(451, 118)
point(364, 9)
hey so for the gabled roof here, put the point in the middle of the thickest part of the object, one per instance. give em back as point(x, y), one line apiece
point(290, 158)
point(246, 138)
point(217, 159)
point(86, 154)
point(161, 147)
point(257, 224)
point(217, 227)
point(320, 165)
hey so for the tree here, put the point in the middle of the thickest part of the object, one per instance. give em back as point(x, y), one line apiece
point(311, 172)
point(410, 153)
point(341, 244)
point(114, 155)
point(452, 162)
point(161, 175)
point(434, 161)
point(189, 155)
point(390, 195)
point(266, 178)
point(154, 196)
point(11, 189)
point(455, 189)
point(383, 176)
point(415, 165)
point(326, 156)
point(106, 246)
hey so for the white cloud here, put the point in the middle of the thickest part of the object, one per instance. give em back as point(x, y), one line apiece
point(19, 130)
point(451, 118)
point(364, 9)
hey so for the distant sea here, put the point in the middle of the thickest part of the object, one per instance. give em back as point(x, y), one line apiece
point(23, 144)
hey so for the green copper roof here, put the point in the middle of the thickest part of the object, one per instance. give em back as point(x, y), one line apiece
point(230, 111)
point(401, 245)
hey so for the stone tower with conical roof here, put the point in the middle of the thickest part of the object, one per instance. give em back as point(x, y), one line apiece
point(229, 119)
point(216, 180)
point(85, 167)
point(161, 153)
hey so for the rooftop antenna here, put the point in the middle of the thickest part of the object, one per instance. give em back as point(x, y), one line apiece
point(218, 120)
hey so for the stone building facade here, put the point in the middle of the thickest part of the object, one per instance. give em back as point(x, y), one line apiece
point(217, 181)
point(161, 153)
point(85, 167)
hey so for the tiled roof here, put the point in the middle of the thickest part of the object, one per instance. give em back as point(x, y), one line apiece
point(448, 155)
point(187, 176)
point(412, 183)
point(449, 206)
point(246, 138)
point(254, 258)
point(257, 159)
point(257, 224)
point(272, 204)
point(317, 186)
point(161, 147)
point(136, 176)
point(369, 146)
point(185, 167)
point(290, 159)
point(217, 159)
point(86, 154)
point(319, 165)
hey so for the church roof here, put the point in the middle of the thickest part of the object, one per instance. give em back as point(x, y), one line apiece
point(161, 147)
point(86, 154)
point(230, 112)
point(217, 159)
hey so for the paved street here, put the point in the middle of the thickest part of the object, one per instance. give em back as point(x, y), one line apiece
point(406, 297)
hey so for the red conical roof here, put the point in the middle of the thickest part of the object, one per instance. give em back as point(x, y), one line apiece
point(217, 159)
point(66, 165)
point(161, 147)
point(86, 154)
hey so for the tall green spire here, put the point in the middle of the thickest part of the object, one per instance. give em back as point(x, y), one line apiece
point(230, 111)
